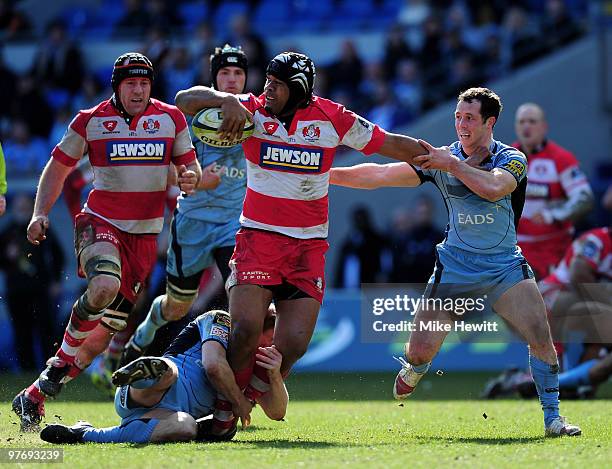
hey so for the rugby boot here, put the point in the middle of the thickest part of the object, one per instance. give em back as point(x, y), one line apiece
point(139, 369)
point(63, 434)
point(30, 413)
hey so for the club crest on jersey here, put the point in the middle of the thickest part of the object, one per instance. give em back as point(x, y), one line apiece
point(270, 127)
point(311, 133)
point(516, 168)
point(109, 125)
point(150, 126)
point(290, 158)
point(130, 151)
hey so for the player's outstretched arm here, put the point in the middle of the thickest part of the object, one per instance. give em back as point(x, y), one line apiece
point(49, 189)
point(373, 176)
point(274, 402)
point(490, 185)
point(221, 376)
point(401, 147)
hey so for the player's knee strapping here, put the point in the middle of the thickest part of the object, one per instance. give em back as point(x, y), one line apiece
point(116, 314)
point(103, 265)
point(180, 293)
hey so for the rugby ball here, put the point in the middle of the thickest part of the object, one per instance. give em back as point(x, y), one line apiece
point(206, 123)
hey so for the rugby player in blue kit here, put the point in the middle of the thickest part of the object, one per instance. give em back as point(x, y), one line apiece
point(479, 254)
point(161, 399)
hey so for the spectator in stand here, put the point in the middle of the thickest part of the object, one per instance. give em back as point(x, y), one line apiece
point(13, 23)
point(33, 278)
point(25, 155)
point(163, 14)
point(58, 62)
point(179, 73)
point(28, 98)
point(8, 79)
point(363, 253)
point(558, 27)
point(408, 87)
point(254, 47)
point(89, 94)
point(396, 50)
point(347, 71)
point(136, 20)
point(413, 242)
point(520, 38)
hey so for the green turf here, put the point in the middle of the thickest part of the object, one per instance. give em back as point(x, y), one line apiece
point(328, 425)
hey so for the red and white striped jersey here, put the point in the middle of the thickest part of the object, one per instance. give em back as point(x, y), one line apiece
point(594, 247)
point(288, 171)
point(552, 175)
point(130, 162)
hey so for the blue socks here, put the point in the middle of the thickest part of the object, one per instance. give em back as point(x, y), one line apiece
point(137, 431)
point(144, 335)
point(546, 379)
point(421, 369)
point(578, 376)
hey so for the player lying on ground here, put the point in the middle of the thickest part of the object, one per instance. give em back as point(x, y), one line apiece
point(578, 298)
point(482, 258)
point(161, 399)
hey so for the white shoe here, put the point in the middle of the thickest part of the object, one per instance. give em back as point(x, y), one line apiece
point(560, 426)
point(406, 380)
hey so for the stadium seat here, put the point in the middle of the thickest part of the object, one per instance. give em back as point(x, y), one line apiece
point(271, 17)
point(222, 17)
point(310, 15)
point(57, 98)
point(193, 13)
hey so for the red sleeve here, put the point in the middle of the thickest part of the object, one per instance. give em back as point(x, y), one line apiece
point(250, 101)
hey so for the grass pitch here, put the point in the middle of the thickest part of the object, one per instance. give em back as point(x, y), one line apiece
point(349, 419)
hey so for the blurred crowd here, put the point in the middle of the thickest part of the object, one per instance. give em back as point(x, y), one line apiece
point(446, 45)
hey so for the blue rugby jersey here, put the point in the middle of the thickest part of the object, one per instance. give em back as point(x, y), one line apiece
point(186, 352)
point(476, 224)
point(223, 204)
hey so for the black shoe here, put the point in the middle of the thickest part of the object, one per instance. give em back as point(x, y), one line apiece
point(50, 380)
point(30, 413)
point(141, 368)
point(62, 434)
point(205, 431)
point(130, 353)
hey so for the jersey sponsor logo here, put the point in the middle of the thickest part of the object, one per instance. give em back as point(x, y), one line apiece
point(285, 158)
point(229, 171)
point(129, 152)
point(536, 190)
point(109, 125)
point(270, 127)
point(311, 133)
point(475, 219)
point(150, 126)
point(223, 319)
point(516, 168)
point(220, 333)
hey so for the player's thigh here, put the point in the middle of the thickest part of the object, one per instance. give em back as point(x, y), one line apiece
point(248, 305)
point(523, 308)
point(172, 426)
point(295, 324)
